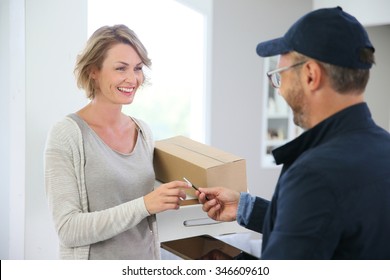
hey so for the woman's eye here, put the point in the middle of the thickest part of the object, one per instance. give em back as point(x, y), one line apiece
point(138, 68)
point(121, 69)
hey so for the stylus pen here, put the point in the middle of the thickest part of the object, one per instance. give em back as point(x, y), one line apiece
point(192, 185)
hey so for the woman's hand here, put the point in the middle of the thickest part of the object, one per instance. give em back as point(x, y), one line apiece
point(166, 197)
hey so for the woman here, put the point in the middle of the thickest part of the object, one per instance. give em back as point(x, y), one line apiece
point(99, 173)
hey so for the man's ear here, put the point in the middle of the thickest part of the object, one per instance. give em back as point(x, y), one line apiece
point(313, 74)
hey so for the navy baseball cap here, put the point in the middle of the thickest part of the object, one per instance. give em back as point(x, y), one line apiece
point(329, 35)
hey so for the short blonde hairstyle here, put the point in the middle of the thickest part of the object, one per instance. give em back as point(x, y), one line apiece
point(96, 50)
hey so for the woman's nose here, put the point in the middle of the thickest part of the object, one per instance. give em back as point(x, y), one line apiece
point(131, 77)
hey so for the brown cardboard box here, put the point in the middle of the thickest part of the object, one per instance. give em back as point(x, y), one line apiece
point(203, 165)
point(203, 247)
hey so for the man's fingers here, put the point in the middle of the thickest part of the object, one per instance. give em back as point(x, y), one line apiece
point(213, 211)
point(208, 205)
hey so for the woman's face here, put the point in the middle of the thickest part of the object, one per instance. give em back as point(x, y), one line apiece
point(120, 75)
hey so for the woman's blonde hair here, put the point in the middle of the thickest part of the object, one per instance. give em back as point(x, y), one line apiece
point(96, 50)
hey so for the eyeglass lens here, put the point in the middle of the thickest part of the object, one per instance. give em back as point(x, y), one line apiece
point(275, 79)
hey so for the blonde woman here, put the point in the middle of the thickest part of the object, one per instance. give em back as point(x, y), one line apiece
point(99, 173)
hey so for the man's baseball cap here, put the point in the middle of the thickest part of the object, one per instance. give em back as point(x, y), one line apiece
point(329, 35)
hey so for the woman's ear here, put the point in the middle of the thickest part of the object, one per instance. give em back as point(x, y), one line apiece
point(93, 73)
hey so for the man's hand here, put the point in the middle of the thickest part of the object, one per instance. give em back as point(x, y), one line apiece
point(220, 203)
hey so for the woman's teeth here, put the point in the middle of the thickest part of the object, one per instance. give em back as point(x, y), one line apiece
point(127, 90)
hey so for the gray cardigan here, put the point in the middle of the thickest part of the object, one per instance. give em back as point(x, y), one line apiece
point(67, 198)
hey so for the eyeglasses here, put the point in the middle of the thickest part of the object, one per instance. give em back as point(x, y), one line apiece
point(274, 75)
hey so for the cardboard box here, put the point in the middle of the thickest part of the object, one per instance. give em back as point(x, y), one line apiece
point(201, 247)
point(191, 220)
point(203, 165)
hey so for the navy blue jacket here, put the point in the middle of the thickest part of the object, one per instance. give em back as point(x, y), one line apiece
point(332, 199)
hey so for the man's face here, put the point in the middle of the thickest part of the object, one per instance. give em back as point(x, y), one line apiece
point(293, 92)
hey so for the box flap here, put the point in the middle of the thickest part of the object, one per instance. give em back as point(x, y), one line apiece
point(196, 152)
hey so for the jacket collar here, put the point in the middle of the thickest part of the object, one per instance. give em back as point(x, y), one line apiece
point(353, 117)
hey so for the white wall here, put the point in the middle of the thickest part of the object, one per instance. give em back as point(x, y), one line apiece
point(55, 32)
point(237, 78)
point(4, 126)
point(368, 12)
point(377, 94)
point(12, 142)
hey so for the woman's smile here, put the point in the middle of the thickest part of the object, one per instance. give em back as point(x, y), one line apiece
point(127, 91)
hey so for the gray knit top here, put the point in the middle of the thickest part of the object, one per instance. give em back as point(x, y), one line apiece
point(96, 194)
